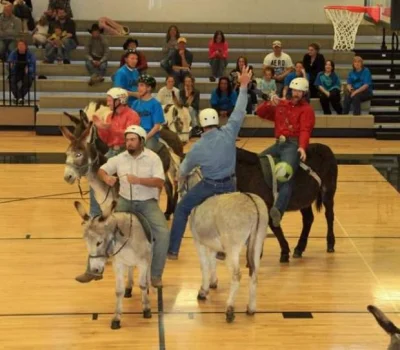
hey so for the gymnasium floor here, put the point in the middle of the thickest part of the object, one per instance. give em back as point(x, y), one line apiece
point(318, 302)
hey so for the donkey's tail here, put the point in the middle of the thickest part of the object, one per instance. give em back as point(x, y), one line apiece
point(250, 254)
point(319, 202)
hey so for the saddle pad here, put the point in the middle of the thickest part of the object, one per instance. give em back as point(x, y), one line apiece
point(267, 165)
point(145, 224)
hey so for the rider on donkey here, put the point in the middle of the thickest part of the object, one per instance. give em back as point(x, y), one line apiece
point(294, 121)
point(141, 175)
point(150, 111)
point(111, 131)
point(215, 154)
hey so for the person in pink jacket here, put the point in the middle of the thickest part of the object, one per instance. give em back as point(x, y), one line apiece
point(218, 55)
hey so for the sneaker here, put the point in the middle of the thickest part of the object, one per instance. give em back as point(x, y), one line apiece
point(88, 277)
point(67, 62)
point(156, 282)
point(172, 256)
point(276, 216)
point(212, 79)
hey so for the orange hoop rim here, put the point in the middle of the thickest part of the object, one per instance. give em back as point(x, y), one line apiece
point(372, 11)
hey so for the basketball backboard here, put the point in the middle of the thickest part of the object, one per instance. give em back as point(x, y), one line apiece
point(390, 12)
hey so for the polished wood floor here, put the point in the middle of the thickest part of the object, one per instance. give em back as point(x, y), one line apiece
point(41, 247)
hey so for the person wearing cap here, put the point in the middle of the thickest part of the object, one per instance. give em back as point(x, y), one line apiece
point(132, 44)
point(282, 64)
point(127, 76)
point(215, 154)
point(294, 121)
point(141, 177)
point(97, 51)
point(150, 111)
point(181, 61)
point(111, 131)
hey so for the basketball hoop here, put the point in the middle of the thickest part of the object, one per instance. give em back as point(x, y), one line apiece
point(346, 20)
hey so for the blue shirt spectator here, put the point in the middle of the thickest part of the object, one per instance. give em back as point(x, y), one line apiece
point(150, 112)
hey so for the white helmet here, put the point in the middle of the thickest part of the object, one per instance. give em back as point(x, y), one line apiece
point(136, 129)
point(299, 84)
point(118, 94)
point(208, 117)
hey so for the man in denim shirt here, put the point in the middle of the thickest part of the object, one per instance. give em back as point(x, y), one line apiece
point(215, 154)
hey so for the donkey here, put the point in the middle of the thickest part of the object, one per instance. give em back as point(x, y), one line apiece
point(177, 119)
point(121, 236)
point(387, 326)
point(225, 223)
point(320, 158)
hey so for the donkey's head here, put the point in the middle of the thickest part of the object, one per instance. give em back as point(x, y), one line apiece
point(388, 326)
point(178, 120)
point(79, 155)
point(99, 234)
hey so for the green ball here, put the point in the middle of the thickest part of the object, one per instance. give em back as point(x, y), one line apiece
point(283, 171)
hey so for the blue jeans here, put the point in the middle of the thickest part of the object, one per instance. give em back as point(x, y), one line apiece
point(94, 206)
point(51, 52)
point(355, 101)
point(197, 195)
point(286, 152)
point(100, 70)
point(7, 46)
point(159, 229)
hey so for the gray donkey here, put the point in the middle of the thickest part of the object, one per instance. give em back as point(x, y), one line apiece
point(121, 236)
point(388, 326)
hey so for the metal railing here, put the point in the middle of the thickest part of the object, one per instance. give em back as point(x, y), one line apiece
point(18, 87)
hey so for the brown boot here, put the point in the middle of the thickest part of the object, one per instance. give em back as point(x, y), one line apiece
point(88, 277)
point(156, 282)
point(221, 256)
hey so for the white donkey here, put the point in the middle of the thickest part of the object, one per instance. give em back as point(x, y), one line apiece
point(226, 223)
point(388, 326)
point(121, 236)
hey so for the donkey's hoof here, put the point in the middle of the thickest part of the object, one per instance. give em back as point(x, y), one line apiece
point(330, 250)
point(214, 285)
point(250, 312)
point(147, 313)
point(115, 324)
point(297, 254)
point(201, 297)
point(284, 258)
point(230, 314)
point(128, 293)
point(167, 216)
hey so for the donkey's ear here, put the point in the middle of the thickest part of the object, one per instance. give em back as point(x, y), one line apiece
point(67, 134)
point(382, 320)
point(81, 211)
point(108, 212)
point(84, 117)
point(72, 118)
point(86, 132)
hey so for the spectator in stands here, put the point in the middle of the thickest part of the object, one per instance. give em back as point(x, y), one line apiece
point(190, 98)
point(10, 27)
point(299, 72)
point(218, 55)
point(55, 39)
point(39, 34)
point(132, 44)
point(328, 84)
point(23, 10)
point(313, 63)
point(282, 64)
point(251, 89)
point(169, 48)
point(22, 71)
point(166, 94)
point(96, 55)
point(223, 98)
point(127, 76)
point(182, 60)
point(267, 84)
point(67, 44)
point(359, 87)
point(54, 5)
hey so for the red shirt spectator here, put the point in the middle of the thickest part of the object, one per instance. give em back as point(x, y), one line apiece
point(217, 50)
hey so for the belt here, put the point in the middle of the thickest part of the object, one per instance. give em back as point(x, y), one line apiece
point(283, 138)
point(225, 179)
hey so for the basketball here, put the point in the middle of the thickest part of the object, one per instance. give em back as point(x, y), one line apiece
point(283, 171)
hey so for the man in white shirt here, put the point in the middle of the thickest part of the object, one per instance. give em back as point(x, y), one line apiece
point(282, 64)
point(141, 176)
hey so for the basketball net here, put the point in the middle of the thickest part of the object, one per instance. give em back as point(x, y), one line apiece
point(346, 20)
